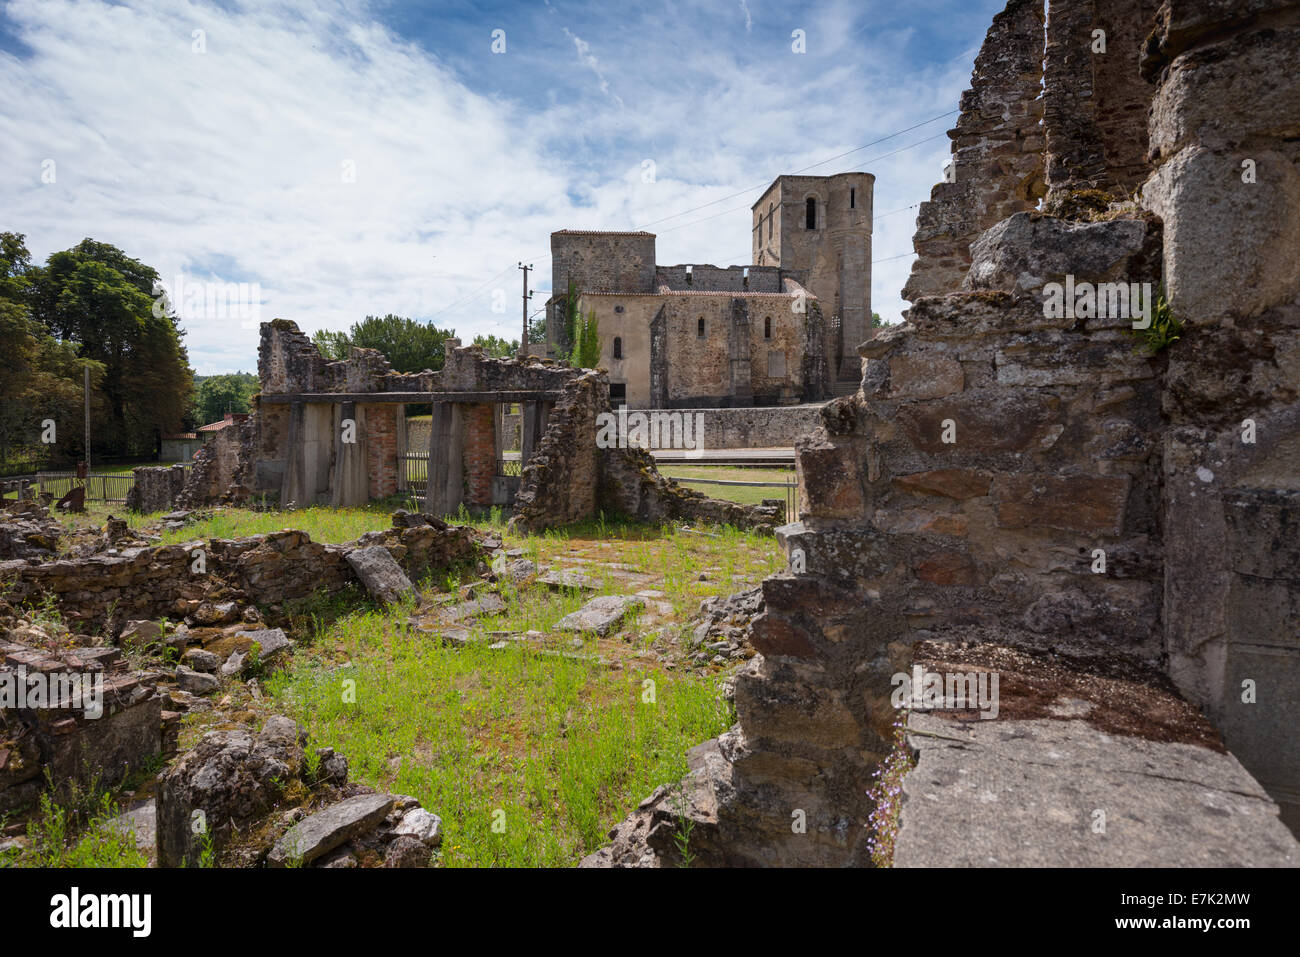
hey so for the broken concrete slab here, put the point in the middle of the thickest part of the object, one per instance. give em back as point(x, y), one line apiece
point(1051, 793)
point(488, 604)
point(320, 833)
point(381, 575)
point(560, 578)
point(600, 615)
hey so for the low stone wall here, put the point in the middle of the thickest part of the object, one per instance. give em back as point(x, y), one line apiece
point(187, 581)
point(156, 489)
point(60, 738)
point(762, 427)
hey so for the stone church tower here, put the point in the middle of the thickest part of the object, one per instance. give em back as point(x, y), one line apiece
point(820, 226)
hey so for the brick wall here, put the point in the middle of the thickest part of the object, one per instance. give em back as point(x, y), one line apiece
point(382, 423)
point(480, 453)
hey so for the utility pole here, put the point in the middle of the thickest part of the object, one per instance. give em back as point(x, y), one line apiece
point(528, 294)
point(87, 390)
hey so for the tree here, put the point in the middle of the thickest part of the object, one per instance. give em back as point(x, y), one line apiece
point(332, 345)
point(877, 322)
point(43, 377)
point(409, 346)
point(496, 346)
point(220, 394)
point(102, 301)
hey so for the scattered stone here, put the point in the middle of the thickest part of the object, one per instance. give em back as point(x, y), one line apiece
point(320, 833)
point(600, 615)
point(201, 660)
point(271, 643)
point(561, 578)
point(406, 851)
point(381, 575)
point(196, 682)
point(422, 825)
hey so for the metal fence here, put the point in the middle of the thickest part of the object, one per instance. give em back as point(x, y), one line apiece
point(790, 489)
point(413, 472)
point(100, 486)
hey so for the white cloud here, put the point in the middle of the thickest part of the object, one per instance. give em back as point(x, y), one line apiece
point(227, 164)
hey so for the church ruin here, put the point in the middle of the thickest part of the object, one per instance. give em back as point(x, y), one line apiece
point(781, 331)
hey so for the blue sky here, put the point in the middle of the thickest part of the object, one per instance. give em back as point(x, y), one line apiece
point(228, 164)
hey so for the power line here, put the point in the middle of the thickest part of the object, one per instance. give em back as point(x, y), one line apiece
point(546, 257)
point(832, 159)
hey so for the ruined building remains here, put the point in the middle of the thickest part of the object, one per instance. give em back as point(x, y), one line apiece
point(1105, 515)
point(333, 432)
point(780, 331)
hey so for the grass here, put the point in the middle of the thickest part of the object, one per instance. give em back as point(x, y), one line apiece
point(745, 495)
point(559, 748)
point(77, 834)
point(552, 744)
point(556, 749)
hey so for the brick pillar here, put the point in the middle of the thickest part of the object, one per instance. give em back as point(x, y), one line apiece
point(480, 453)
point(381, 448)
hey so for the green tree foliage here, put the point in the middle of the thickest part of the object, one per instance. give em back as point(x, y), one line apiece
point(43, 377)
point(496, 346)
point(220, 394)
point(586, 343)
point(877, 321)
point(409, 346)
point(102, 301)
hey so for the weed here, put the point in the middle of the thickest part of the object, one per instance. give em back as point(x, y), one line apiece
point(1165, 329)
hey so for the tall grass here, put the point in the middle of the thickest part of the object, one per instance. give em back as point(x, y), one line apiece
point(552, 749)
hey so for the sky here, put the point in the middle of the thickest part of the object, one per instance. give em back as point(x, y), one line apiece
point(344, 158)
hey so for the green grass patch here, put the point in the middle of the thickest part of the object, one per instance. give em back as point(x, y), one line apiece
point(529, 759)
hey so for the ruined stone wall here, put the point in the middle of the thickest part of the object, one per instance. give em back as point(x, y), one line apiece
point(385, 440)
point(598, 261)
point(719, 279)
point(1095, 98)
point(997, 152)
point(215, 475)
point(156, 488)
point(60, 739)
point(1225, 143)
point(754, 428)
point(105, 591)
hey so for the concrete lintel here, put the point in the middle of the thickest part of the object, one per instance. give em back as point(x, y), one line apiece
point(506, 395)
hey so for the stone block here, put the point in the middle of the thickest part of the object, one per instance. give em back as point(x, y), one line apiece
point(1089, 504)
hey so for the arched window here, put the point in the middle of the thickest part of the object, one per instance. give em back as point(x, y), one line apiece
point(618, 347)
point(770, 208)
point(810, 214)
point(767, 327)
point(699, 327)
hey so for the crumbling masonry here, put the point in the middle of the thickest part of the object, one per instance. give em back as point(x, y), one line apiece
point(996, 452)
